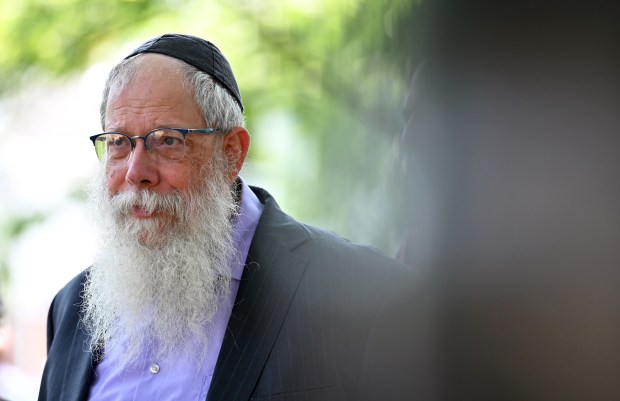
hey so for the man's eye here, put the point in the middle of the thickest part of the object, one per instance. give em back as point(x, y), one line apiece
point(170, 141)
point(116, 142)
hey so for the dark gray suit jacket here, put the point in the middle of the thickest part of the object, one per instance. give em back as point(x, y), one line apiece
point(316, 318)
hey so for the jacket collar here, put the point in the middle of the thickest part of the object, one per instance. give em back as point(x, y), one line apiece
point(270, 279)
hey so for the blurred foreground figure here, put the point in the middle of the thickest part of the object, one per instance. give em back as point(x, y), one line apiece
point(513, 127)
point(203, 289)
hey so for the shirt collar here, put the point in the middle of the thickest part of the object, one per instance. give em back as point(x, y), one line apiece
point(250, 209)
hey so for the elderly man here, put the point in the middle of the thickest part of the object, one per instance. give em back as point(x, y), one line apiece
point(203, 289)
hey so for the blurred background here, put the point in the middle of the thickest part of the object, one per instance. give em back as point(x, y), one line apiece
point(323, 82)
point(492, 171)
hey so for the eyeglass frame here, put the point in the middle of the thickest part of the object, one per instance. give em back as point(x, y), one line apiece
point(132, 139)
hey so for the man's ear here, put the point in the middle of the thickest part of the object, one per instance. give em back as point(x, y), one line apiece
point(236, 144)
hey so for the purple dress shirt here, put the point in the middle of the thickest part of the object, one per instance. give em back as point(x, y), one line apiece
point(181, 379)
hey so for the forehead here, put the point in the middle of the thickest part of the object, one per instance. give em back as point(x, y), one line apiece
point(153, 72)
point(154, 93)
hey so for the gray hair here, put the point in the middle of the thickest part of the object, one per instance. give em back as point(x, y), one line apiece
point(219, 108)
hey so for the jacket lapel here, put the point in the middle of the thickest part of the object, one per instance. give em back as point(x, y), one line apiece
point(267, 287)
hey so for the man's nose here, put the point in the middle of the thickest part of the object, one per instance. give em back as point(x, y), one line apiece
point(141, 167)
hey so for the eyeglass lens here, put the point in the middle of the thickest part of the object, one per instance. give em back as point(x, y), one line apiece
point(116, 148)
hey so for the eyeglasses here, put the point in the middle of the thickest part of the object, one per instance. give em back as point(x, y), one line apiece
point(114, 148)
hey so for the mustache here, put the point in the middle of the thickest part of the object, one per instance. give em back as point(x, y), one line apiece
point(123, 203)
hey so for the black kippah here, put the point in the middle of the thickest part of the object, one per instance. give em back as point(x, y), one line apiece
point(195, 51)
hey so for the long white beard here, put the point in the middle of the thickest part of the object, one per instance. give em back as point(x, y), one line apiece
point(156, 284)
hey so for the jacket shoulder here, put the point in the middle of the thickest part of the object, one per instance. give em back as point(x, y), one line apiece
point(327, 254)
point(64, 310)
point(313, 242)
point(70, 295)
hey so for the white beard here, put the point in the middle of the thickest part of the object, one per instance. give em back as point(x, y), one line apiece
point(156, 284)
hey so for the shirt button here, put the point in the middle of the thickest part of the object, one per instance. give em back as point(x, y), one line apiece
point(154, 368)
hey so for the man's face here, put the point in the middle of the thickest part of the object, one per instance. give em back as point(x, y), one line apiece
point(180, 211)
point(156, 98)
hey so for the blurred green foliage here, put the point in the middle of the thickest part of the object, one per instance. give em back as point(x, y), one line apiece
point(58, 36)
point(334, 71)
